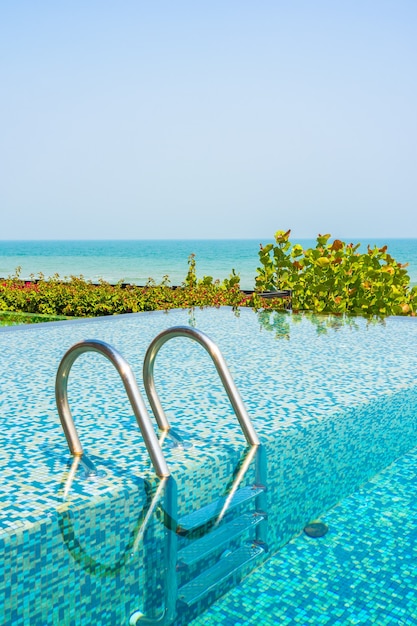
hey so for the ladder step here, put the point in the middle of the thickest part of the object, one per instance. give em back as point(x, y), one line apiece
point(200, 517)
point(211, 578)
point(218, 538)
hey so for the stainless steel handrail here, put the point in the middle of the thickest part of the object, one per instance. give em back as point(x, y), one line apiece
point(133, 393)
point(222, 370)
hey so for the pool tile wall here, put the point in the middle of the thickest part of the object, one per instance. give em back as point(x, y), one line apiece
point(314, 467)
point(71, 570)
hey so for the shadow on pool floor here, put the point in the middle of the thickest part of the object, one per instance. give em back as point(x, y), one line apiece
point(363, 571)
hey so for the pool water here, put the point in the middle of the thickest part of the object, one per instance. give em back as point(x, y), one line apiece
point(363, 571)
point(333, 403)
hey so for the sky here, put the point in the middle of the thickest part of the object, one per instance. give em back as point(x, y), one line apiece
point(217, 119)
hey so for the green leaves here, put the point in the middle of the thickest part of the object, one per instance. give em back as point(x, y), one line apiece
point(77, 297)
point(334, 277)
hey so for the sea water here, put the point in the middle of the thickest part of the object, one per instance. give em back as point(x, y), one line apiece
point(137, 261)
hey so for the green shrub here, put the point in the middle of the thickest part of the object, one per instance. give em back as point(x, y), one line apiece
point(334, 277)
point(80, 298)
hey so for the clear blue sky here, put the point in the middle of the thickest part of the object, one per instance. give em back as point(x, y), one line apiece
point(217, 119)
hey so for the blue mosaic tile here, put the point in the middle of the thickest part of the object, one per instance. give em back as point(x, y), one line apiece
point(363, 571)
point(332, 405)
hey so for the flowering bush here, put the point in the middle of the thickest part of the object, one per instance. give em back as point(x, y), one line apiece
point(81, 298)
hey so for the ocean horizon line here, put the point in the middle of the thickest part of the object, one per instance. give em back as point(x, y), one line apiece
point(313, 238)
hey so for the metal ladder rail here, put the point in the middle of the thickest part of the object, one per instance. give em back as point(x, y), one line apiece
point(238, 407)
point(151, 442)
point(143, 420)
point(167, 616)
point(133, 393)
point(222, 370)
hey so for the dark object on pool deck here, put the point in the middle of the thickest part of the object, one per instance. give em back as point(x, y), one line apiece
point(285, 293)
point(316, 529)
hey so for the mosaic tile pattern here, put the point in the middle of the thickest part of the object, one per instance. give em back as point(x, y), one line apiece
point(283, 383)
point(331, 405)
point(363, 571)
point(65, 570)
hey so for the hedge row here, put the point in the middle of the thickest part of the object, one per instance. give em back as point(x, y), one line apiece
point(332, 278)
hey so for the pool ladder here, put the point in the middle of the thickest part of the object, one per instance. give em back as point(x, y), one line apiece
point(208, 532)
point(218, 527)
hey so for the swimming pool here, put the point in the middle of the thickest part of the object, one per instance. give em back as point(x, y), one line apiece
point(362, 572)
point(332, 403)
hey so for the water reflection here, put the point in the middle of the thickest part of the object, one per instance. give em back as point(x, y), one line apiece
point(280, 322)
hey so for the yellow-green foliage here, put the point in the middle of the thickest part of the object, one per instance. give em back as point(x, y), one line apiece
point(334, 277)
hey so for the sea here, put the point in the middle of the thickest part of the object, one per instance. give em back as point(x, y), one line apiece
point(136, 261)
